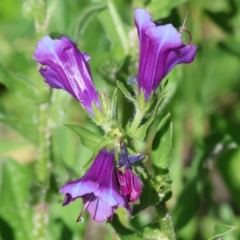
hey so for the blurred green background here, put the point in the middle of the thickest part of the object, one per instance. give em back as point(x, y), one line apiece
point(205, 112)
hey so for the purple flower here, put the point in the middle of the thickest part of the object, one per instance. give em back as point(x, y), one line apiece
point(130, 184)
point(161, 49)
point(98, 188)
point(67, 68)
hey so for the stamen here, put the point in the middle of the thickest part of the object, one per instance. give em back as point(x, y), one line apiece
point(80, 219)
point(183, 25)
point(96, 208)
point(183, 29)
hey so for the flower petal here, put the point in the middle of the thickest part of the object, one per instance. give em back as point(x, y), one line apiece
point(67, 68)
point(161, 49)
point(130, 184)
point(98, 210)
point(79, 188)
point(143, 20)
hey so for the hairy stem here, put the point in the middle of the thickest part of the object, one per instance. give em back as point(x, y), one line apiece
point(165, 221)
point(43, 163)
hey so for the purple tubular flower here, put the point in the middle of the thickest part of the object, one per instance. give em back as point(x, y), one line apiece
point(161, 49)
point(67, 68)
point(130, 184)
point(98, 188)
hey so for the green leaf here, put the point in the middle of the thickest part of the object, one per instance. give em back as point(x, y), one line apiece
point(88, 138)
point(148, 198)
point(14, 208)
point(125, 92)
point(162, 144)
point(228, 164)
point(118, 23)
point(102, 144)
point(161, 9)
point(114, 28)
point(86, 16)
point(6, 231)
point(221, 230)
point(187, 204)
point(26, 130)
point(155, 190)
point(18, 84)
point(119, 227)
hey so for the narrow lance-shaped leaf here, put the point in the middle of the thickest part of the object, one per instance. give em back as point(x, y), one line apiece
point(89, 139)
point(125, 92)
point(162, 145)
point(25, 129)
point(19, 84)
point(114, 28)
point(86, 17)
point(162, 9)
point(119, 27)
point(102, 144)
point(186, 206)
point(221, 231)
point(14, 191)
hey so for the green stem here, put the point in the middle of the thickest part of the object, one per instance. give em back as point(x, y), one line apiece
point(165, 221)
point(42, 173)
point(40, 221)
point(43, 163)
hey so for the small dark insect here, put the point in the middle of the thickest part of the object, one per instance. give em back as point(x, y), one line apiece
point(126, 160)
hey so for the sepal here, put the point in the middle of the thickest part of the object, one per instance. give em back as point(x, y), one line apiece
point(125, 92)
point(98, 115)
point(114, 102)
point(141, 131)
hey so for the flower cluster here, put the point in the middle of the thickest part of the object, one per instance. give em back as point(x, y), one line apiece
point(109, 184)
point(99, 189)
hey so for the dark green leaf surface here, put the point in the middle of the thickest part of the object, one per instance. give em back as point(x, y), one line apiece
point(187, 205)
point(162, 144)
point(14, 198)
point(221, 231)
point(18, 84)
point(86, 17)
